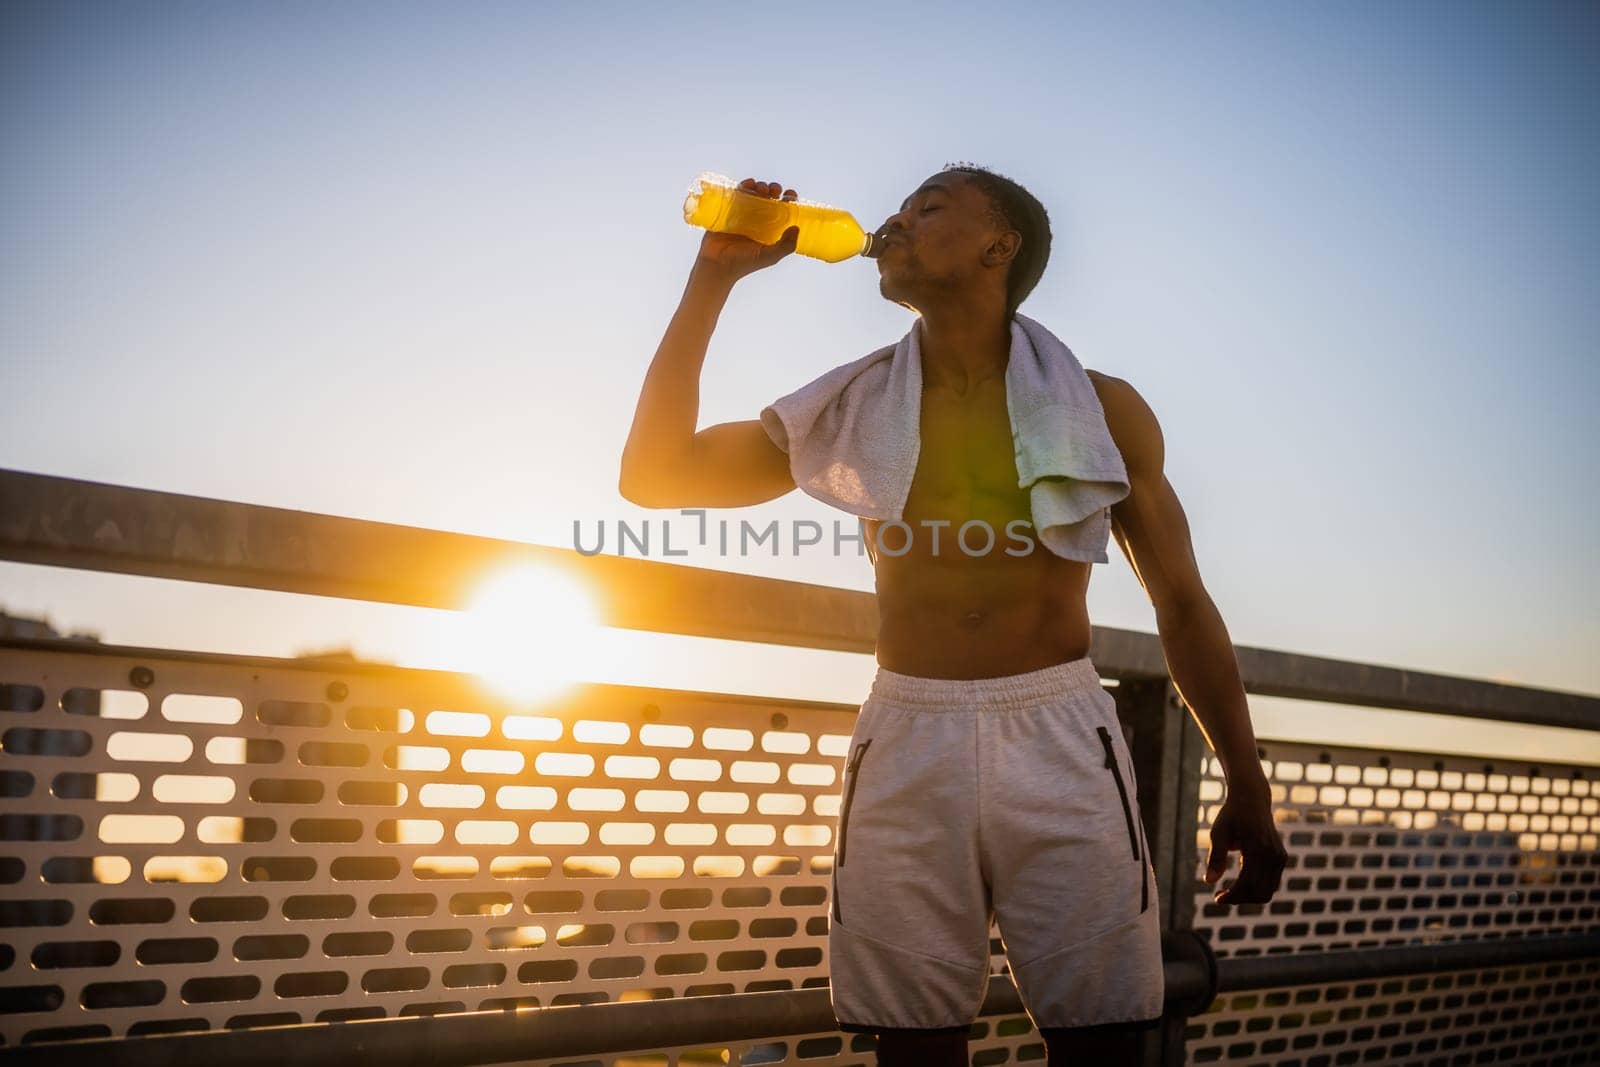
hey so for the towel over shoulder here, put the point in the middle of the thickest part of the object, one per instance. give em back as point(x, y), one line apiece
point(853, 437)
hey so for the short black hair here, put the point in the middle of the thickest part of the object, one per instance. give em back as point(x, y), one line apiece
point(1014, 208)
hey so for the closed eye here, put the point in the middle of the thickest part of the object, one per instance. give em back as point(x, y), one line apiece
point(928, 209)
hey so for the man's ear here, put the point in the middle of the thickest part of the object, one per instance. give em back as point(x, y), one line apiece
point(1003, 249)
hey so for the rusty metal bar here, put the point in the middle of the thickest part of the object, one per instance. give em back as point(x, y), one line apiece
point(1350, 965)
point(64, 522)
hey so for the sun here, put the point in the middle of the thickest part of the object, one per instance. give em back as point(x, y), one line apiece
point(529, 632)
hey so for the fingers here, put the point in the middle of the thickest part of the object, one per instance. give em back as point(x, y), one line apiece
point(1246, 889)
point(790, 239)
point(1260, 874)
point(1241, 890)
point(1217, 858)
point(775, 190)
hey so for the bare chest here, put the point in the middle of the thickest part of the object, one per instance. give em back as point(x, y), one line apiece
point(966, 466)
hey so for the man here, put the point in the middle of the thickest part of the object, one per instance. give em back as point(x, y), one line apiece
point(1000, 638)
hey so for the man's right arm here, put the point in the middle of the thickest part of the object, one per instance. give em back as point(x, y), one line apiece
point(665, 463)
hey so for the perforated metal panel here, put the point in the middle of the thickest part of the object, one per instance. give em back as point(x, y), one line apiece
point(1397, 847)
point(198, 843)
point(1401, 848)
point(1541, 1016)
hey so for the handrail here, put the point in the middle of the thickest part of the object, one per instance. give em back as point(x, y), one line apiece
point(65, 522)
point(1352, 965)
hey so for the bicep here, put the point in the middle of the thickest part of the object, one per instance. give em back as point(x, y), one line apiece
point(734, 464)
point(1149, 523)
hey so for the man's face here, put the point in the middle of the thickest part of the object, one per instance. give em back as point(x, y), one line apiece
point(936, 243)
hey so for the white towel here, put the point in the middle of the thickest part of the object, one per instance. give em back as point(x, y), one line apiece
point(853, 437)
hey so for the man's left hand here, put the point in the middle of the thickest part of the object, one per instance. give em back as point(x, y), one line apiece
point(1244, 822)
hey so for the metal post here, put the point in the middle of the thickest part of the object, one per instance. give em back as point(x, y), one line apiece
point(1167, 748)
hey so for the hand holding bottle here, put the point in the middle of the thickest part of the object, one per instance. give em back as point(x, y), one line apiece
point(762, 227)
point(732, 255)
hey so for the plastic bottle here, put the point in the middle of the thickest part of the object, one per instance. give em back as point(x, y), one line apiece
point(827, 233)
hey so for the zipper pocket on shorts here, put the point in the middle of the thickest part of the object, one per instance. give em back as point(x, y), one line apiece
point(1127, 814)
point(852, 769)
point(1144, 876)
point(1122, 790)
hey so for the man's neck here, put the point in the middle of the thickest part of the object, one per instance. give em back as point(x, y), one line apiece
point(963, 346)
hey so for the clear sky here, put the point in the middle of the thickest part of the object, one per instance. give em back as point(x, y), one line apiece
point(409, 263)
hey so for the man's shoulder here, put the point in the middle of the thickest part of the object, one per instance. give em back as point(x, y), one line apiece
point(1132, 424)
point(1110, 389)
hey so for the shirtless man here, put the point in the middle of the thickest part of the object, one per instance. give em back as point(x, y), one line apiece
point(957, 254)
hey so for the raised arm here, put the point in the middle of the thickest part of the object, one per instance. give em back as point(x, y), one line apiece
point(665, 463)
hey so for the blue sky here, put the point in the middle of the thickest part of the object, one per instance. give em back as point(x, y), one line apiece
point(410, 262)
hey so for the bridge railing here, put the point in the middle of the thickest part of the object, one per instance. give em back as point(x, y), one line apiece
point(226, 856)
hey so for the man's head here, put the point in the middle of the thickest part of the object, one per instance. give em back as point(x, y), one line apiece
point(966, 228)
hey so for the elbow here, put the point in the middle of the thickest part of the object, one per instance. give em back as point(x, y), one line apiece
point(631, 490)
point(1178, 609)
point(650, 480)
point(632, 480)
point(643, 489)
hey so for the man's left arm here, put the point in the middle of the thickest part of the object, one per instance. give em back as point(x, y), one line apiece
point(1153, 533)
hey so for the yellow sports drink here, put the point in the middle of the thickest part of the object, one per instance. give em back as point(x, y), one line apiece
point(826, 233)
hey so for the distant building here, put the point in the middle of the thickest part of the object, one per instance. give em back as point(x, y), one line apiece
point(21, 626)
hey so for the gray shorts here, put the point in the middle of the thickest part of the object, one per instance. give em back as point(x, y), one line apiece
point(966, 802)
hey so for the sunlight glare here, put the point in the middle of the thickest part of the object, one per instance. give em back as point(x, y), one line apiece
point(529, 632)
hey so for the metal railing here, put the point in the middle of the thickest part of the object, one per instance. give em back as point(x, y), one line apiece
point(249, 857)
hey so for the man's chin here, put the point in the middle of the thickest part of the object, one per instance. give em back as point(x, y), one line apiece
point(891, 288)
point(898, 299)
